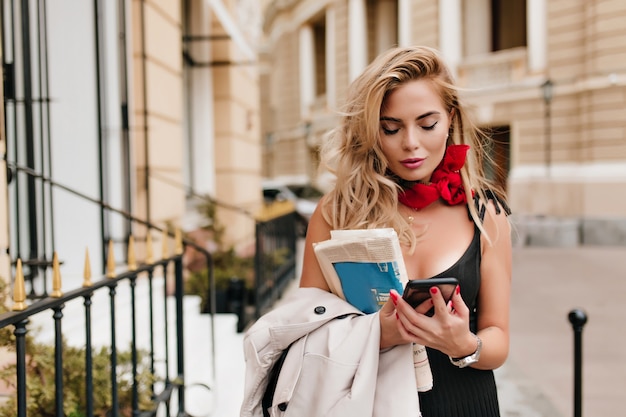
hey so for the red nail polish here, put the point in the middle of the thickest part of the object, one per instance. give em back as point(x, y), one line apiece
point(458, 289)
point(394, 298)
point(433, 290)
point(397, 316)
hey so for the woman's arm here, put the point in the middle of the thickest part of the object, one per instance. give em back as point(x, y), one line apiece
point(318, 230)
point(495, 290)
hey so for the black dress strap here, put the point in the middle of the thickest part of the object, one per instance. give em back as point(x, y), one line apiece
point(498, 202)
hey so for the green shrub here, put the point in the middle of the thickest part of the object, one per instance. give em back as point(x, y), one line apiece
point(227, 265)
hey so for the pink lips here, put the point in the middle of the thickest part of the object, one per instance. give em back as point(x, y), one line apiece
point(412, 163)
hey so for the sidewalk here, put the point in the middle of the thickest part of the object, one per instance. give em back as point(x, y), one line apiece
point(547, 284)
point(537, 379)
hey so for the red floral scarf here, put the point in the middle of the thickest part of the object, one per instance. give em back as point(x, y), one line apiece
point(445, 183)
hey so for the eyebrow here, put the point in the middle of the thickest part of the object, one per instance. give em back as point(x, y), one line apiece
point(393, 119)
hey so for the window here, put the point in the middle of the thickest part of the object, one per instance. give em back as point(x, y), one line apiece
point(493, 25)
point(508, 24)
point(382, 26)
point(319, 58)
point(497, 166)
point(66, 114)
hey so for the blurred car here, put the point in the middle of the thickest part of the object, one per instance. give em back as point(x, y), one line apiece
point(304, 197)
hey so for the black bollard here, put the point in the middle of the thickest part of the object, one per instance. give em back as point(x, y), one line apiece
point(578, 318)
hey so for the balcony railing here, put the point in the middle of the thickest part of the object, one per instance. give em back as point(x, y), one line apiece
point(497, 69)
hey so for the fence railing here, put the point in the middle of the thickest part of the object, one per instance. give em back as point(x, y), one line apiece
point(164, 366)
point(275, 258)
point(165, 349)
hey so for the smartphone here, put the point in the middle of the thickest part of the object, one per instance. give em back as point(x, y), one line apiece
point(417, 291)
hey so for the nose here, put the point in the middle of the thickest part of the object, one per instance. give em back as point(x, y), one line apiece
point(410, 139)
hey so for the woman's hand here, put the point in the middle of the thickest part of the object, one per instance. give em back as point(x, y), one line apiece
point(389, 321)
point(389, 330)
point(447, 330)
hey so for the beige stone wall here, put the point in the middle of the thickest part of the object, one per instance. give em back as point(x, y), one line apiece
point(285, 126)
point(426, 15)
point(586, 51)
point(294, 141)
point(157, 109)
point(341, 50)
point(237, 146)
point(237, 140)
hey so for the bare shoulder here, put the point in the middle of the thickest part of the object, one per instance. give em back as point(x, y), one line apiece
point(496, 222)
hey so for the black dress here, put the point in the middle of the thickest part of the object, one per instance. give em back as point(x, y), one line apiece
point(462, 392)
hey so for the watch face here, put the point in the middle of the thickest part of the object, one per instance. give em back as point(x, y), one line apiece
point(467, 361)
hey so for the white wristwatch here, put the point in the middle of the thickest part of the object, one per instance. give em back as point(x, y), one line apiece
point(468, 360)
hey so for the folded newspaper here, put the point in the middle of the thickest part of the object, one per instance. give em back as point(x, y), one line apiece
point(362, 266)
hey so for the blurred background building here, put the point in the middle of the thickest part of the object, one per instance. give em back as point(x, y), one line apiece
point(547, 77)
point(143, 106)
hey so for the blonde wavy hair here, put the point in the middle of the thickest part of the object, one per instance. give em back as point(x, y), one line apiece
point(364, 196)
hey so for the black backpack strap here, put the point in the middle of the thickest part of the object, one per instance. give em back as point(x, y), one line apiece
point(268, 396)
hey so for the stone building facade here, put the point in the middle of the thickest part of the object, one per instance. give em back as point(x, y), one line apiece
point(546, 76)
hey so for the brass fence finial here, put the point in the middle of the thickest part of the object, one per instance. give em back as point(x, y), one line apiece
point(111, 261)
point(149, 250)
point(178, 239)
point(87, 270)
point(19, 289)
point(56, 277)
point(166, 249)
point(132, 263)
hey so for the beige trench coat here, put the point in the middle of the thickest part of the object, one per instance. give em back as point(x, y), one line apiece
point(334, 367)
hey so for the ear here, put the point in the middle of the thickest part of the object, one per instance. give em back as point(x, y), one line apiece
point(450, 117)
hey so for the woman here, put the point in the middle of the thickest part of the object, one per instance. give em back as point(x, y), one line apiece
point(407, 156)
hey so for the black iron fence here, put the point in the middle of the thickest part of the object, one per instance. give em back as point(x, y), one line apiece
point(164, 365)
point(275, 259)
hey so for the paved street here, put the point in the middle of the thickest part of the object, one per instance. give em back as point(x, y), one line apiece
point(537, 379)
point(547, 284)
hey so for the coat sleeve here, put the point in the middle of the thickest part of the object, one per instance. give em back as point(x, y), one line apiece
point(334, 368)
point(304, 311)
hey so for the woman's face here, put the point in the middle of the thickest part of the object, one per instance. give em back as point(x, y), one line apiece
point(414, 127)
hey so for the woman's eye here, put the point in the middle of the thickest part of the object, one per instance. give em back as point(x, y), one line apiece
point(388, 131)
point(431, 127)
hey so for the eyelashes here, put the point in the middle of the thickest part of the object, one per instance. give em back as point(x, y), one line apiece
point(390, 132)
point(431, 127)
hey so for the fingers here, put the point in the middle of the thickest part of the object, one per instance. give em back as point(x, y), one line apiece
point(458, 304)
point(392, 330)
point(389, 307)
point(438, 302)
point(425, 306)
point(407, 322)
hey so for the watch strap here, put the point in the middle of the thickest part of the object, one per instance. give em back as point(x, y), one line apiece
point(468, 360)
